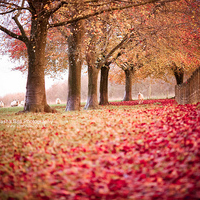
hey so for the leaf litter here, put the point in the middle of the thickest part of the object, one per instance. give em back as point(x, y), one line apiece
point(121, 151)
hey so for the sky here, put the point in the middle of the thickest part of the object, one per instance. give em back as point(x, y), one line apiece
point(15, 81)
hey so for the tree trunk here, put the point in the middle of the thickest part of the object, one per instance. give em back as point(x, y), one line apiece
point(75, 64)
point(178, 73)
point(35, 88)
point(93, 71)
point(92, 100)
point(128, 86)
point(104, 86)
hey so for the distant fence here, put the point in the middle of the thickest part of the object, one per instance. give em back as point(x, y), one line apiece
point(189, 91)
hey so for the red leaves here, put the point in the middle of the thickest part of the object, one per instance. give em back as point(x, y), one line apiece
point(127, 153)
point(149, 101)
point(116, 184)
point(12, 165)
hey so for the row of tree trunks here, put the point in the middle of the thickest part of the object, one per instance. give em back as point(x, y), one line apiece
point(92, 101)
point(35, 41)
point(92, 85)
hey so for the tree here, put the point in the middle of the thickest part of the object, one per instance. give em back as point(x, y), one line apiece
point(176, 43)
point(75, 64)
point(129, 72)
point(81, 12)
point(35, 38)
point(104, 81)
point(98, 60)
point(56, 60)
point(129, 66)
point(35, 42)
point(171, 38)
point(178, 73)
point(104, 86)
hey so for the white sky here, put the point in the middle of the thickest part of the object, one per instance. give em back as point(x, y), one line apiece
point(15, 81)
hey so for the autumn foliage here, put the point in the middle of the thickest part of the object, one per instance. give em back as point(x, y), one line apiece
point(149, 151)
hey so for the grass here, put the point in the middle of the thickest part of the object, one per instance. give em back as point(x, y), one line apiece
point(10, 110)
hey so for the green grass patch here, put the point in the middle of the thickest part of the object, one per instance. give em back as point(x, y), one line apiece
point(10, 110)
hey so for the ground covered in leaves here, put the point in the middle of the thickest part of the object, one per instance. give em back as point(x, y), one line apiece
point(121, 151)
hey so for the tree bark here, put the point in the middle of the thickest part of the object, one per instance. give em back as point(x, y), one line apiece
point(178, 73)
point(93, 71)
point(35, 88)
point(128, 85)
point(104, 86)
point(92, 100)
point(75, 64)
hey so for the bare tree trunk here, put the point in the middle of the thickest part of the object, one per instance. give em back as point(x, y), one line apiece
point(92, 100)
point(104, 86)
point(75, 64)
point(178, 73)
point(35, 88)
point(93, 71)
point(128, 86)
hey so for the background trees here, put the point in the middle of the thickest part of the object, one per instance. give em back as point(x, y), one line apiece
point(166, 51)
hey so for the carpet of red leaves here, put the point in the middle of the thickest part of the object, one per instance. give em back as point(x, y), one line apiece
point(147, 101)
point(157, 157)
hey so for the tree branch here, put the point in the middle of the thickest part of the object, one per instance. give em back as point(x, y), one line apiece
point(57, 7)
point(13, 7)
point(126, 37)
point(19, 26)
point(18, 23)
point(11, 34)
point(19, 12)
point(108, 10)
